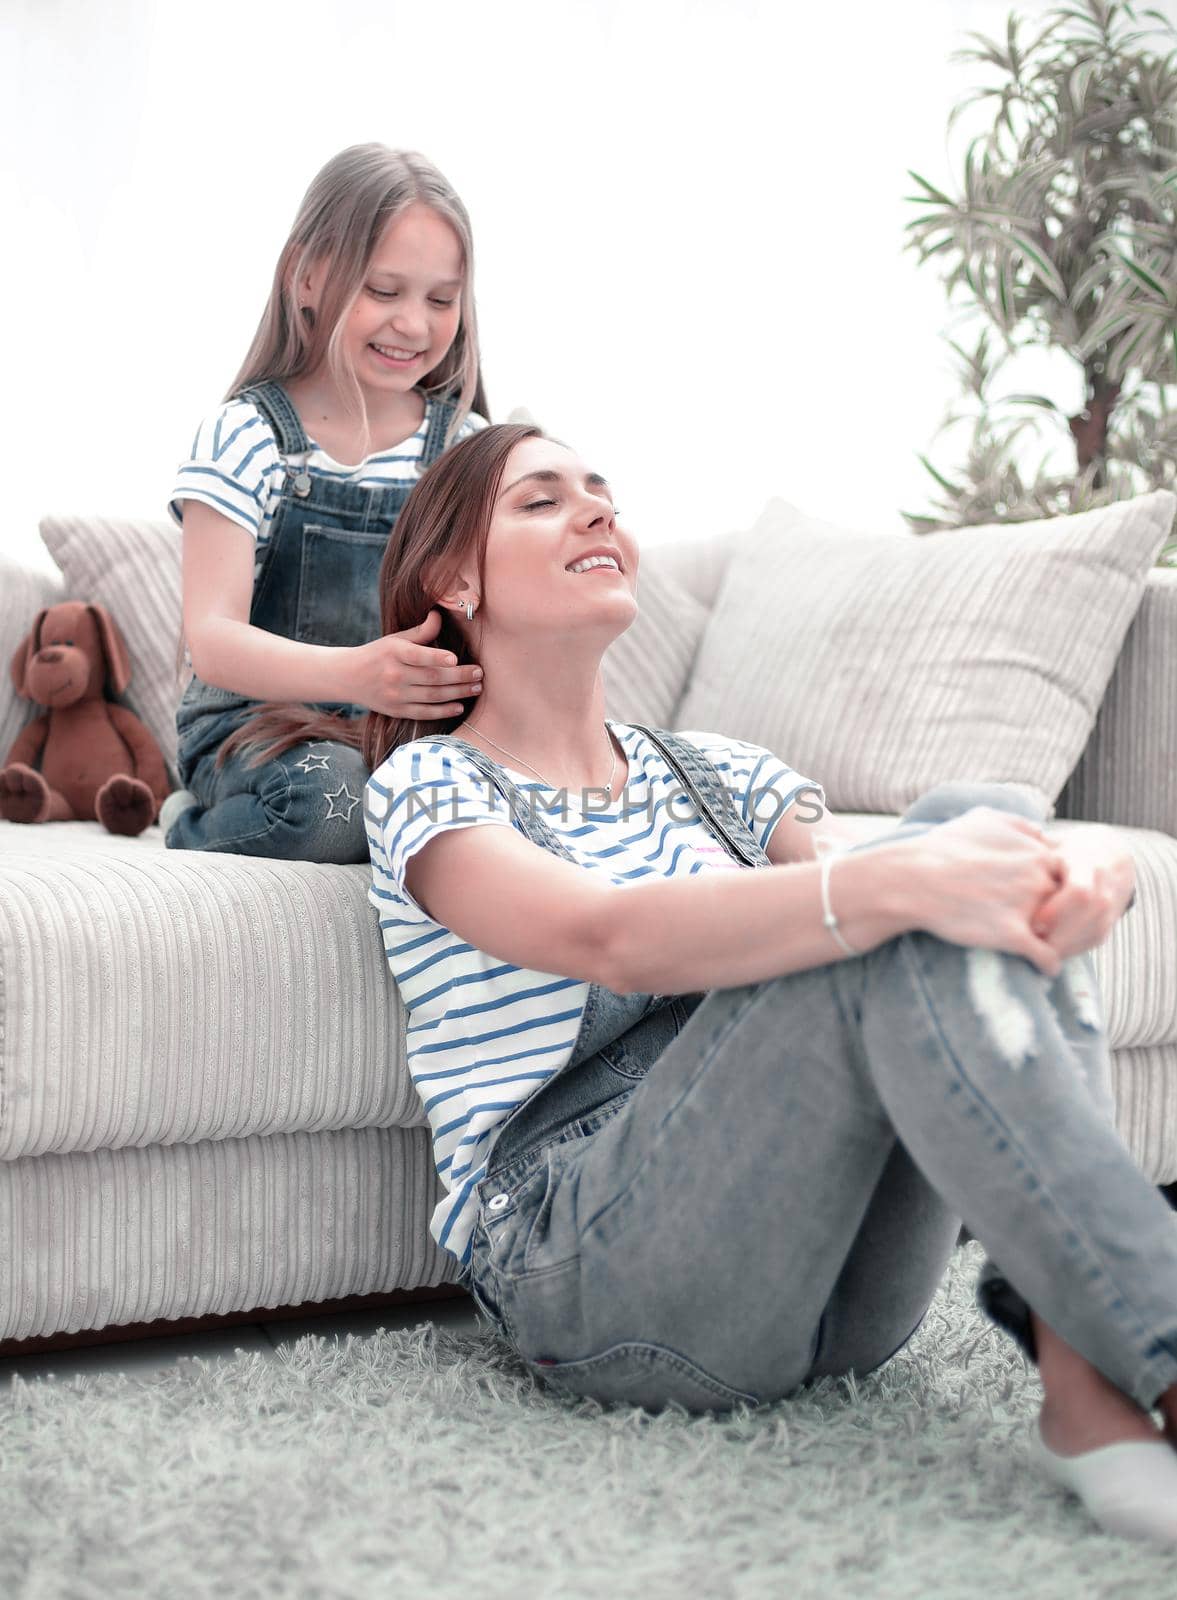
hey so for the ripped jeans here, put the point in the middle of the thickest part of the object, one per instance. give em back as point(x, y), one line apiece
point(772, 1190)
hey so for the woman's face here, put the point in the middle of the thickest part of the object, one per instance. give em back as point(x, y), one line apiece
point(552, 514)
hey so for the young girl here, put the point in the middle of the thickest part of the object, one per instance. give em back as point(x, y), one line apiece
point(707, 1133)
point(363, 370)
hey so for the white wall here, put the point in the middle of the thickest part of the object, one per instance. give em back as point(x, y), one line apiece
point(688, 217)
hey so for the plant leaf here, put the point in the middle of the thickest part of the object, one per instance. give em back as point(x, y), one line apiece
point(935, 193)
point(1146, 278)
point(1096, 273)
point(1100, 332)
point(1040, 265)
point(953, 489)
point(1079, 80)
point(1032, 400)
point(1119, 359)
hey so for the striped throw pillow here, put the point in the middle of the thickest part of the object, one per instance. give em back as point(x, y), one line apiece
point(884, 664)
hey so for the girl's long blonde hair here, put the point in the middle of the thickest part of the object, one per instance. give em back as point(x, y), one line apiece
point(342, 216)
point(444, 524)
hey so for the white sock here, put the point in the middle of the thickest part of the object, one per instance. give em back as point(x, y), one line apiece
point(174, 804)
point(1130, 1488)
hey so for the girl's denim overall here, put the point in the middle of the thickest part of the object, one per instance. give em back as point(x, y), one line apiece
point(317, 584)
point(723, 1196)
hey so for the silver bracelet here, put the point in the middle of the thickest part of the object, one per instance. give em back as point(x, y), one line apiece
point(827, 915)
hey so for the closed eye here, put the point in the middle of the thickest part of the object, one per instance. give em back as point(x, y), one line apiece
point(535, 505)
point(390, 294)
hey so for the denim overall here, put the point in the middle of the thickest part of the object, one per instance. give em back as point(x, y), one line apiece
point(620, 1034)
point(724, 1196)
point(317, 584)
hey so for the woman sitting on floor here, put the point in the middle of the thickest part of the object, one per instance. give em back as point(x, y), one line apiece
point(710, 1088)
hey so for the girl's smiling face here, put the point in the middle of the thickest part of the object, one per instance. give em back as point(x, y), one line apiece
point(406, 314)
point(552, 514)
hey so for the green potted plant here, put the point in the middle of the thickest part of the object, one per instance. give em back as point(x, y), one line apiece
point(1065, 236)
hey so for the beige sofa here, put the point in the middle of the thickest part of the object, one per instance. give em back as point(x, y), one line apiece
point(204, 1105)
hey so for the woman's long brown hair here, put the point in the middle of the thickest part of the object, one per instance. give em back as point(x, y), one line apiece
point(445, 519)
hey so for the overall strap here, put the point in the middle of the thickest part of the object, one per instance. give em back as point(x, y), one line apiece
point(274, 404)
point(440, 413)
point(707, 789)
point(534, 826)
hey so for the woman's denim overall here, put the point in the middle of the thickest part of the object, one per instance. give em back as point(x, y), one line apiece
point(724, 1196)
point(317, 584)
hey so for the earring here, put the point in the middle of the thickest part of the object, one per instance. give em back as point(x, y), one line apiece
point(469, 611)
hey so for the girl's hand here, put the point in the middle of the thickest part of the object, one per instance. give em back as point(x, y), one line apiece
point(402, 676)
point(982, 879)
point(1097, 883)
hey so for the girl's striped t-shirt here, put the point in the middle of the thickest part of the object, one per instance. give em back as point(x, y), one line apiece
point(482, 1034)
point(235, 467)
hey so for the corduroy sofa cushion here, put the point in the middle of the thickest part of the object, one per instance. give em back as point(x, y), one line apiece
point(149, 996)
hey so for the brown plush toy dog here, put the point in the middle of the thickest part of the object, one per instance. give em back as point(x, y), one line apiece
point(96, 759)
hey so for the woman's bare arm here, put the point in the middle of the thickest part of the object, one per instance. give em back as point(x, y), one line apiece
point(975, 880)
point(800, 836)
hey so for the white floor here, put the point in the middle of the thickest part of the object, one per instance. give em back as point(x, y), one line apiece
point(145, 1355)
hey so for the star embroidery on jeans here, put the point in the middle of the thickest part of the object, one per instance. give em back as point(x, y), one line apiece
point(313, 763)
point(344, 815)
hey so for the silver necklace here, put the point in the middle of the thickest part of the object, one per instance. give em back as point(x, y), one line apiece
point(539, 775)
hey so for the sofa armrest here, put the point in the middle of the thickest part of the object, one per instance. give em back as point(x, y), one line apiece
point(1128, 772)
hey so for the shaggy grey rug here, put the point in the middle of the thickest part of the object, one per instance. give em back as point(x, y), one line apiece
point(427, 1463)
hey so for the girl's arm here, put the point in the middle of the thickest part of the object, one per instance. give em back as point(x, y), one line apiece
point(399, 674)
point(227, 651)
point(975, 880)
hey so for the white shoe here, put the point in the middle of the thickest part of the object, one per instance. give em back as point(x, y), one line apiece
point(1129, 1488)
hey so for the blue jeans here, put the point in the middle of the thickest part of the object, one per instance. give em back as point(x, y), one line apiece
point(306, 805)
point(771, 1180)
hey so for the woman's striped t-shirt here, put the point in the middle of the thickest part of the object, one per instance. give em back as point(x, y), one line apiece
point(483, 1034)
point(235, 467)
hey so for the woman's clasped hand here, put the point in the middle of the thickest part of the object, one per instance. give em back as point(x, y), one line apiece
point(1003, 882)
point(1098, 879)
